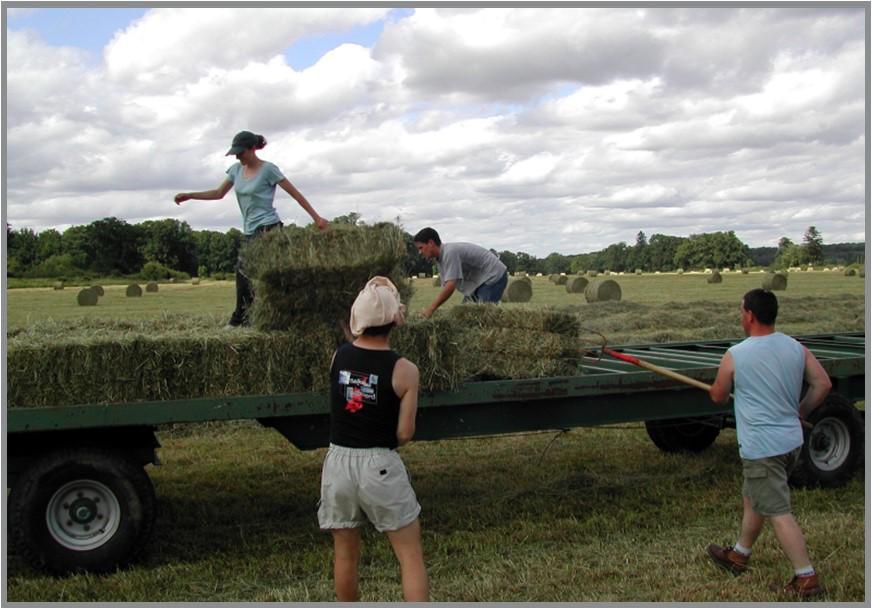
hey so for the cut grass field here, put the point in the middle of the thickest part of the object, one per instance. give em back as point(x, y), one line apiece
point(595, 515)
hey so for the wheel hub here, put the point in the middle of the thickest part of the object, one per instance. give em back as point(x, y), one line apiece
point(83, 515)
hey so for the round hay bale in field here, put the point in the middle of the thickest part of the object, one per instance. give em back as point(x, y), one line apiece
point(519, 290)
point(436, 282)
point(744, 271)
point(850, 272)
point(98, 289)
point(592, 273)
point(58, 285)
point(604, 289)
point(680, 271)
point(638, 271)
point(87, 297)
point(133, 290)
point(195, 281)
point(422, 275)
point(151, 286)
point(561, 280)
point(527, 279)
point(715, 277)
point(577, 285)
point(775, 281)
point(172, 279)
point(553, 277)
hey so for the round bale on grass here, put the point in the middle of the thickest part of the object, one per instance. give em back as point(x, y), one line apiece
point(775, 281)
point(519, 290)
point(195, 281)
point(715, 277)
point(133, 290)
point(577, 285)
point(436, 282)
point(527, 279)
point(98, 289)
point(58, 285)
point(151, 286)
point(602, 289)
point(849, 272)
point(87, 297)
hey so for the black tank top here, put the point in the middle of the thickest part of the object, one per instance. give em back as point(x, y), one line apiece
point(363, 406)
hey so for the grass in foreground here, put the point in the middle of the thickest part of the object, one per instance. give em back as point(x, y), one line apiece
point(597, 515)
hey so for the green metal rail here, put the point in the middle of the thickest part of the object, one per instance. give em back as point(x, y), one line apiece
point(608, 391)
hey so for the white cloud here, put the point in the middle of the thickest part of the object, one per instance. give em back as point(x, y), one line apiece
point(536, 130)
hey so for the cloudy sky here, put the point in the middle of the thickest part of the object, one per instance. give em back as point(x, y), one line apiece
point(536, 130)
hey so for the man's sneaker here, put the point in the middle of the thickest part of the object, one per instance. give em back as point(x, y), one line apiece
point(727, 558)
point(804, 586)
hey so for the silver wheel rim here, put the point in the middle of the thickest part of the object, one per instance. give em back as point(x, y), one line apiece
point(83, 515)
point(829, 444)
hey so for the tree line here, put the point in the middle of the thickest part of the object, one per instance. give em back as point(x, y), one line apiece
point(159, 249)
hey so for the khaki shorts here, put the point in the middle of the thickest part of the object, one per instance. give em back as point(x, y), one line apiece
point(766, 482)
point(366, 483)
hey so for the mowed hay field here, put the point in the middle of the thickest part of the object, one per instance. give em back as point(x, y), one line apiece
point(589, 515)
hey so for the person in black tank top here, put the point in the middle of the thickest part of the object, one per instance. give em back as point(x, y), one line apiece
point(363, 406)
point(373, 403)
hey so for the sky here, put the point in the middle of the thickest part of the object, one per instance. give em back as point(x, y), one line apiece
point(525, 129)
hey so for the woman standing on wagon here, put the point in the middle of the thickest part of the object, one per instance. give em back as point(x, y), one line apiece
point(255, 181)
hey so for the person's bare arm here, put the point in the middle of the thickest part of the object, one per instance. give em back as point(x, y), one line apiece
point(723, 385)
point(406, 380)
point(443, 295)
point(819, 385)
point(205, 195)
point(304, 203)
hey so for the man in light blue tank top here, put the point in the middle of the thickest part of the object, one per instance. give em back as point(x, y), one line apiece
point(766, 372)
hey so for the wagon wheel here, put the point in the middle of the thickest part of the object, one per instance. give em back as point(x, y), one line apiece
point(684, 435)
point(833, 447)
point(85, 509)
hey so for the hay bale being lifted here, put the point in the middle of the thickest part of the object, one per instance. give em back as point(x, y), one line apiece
point(602, 289)
point(151, 286)
point(775, 281)
point(133, 290)
point(576, 285)
point(86, 297)
point(519, 290)
point(715, 277)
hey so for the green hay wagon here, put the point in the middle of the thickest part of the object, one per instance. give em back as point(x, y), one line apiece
point(81, 500)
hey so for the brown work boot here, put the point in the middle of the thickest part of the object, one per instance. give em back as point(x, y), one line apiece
point(727, 558)
point(804, 586)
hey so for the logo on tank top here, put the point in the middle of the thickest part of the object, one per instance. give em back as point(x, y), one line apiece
point(360, 389)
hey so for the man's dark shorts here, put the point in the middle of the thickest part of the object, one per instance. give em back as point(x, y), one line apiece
point(766, 482)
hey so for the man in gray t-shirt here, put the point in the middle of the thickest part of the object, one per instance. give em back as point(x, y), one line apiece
point(476, 272)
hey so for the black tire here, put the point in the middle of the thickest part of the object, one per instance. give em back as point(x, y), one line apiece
point(684, 435)
point(87, 509)
point(833, 448)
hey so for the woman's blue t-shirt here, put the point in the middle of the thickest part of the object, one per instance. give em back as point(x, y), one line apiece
point(256, 195)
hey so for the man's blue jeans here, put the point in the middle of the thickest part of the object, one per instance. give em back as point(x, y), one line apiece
point(491, 293)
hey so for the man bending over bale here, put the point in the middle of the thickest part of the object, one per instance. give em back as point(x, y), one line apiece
point(476, 272)
point(373, 402)
point(767, 370)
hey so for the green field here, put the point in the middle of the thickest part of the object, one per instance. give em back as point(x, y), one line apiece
point(589, 515)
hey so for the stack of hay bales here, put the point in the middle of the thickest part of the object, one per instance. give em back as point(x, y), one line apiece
point(180, 357)
point(301, 274)
point(775, 281)
point(715, 277)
